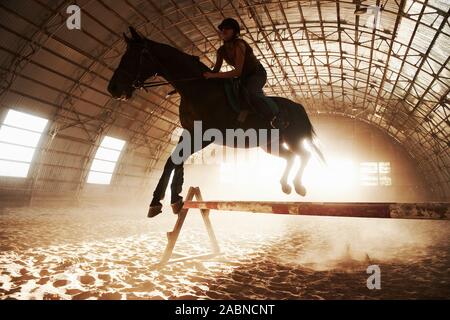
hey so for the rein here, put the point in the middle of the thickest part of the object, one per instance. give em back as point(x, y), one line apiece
point(150, 84)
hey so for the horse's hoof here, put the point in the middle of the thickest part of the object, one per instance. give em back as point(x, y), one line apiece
point(301, 190)
point(154, 211)
point(286, 188)
point(177, 206)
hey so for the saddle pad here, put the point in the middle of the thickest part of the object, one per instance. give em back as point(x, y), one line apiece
point(231, 95)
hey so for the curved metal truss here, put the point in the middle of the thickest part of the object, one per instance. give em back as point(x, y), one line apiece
point(382, 62)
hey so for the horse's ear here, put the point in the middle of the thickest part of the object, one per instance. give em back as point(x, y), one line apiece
point(125, 37)
point(134, 34)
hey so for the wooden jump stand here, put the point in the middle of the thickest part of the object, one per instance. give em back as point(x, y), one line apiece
point(431, 210)
point(172, 236)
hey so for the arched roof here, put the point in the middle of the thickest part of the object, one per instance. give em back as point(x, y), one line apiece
point(392, 73)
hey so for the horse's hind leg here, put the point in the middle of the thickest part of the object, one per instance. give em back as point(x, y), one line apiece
point(305, 155)
point(290, 158)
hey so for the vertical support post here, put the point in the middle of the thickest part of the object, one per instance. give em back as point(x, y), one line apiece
point(208, 225)
point(172, 236)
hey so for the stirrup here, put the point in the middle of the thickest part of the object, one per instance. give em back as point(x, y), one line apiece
point(278, 123)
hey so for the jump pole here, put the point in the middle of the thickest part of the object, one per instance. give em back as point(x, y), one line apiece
point(428, 211)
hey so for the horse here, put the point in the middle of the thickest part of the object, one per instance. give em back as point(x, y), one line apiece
point(205, 100)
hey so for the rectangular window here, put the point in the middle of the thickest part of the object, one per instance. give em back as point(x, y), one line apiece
point(384, 173)
point(105, 160)
point(19, 136)
point(375, 174)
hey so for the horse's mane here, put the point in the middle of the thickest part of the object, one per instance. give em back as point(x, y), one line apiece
point(202, 66)
point(189, 60)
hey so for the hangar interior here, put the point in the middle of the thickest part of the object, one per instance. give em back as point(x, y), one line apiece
point(78, 168)
point(384, 87)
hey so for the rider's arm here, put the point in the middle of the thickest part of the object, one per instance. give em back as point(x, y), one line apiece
point(219, 61)
point(240, 57)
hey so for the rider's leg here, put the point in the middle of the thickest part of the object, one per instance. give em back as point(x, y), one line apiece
point(270, 111)
point(254, 83)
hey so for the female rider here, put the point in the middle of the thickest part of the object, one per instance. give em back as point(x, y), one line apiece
point(238, 53)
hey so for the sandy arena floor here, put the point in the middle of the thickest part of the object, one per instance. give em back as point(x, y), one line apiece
point(101, 253)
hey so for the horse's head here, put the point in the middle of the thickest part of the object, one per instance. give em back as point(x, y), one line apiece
point(134, 68)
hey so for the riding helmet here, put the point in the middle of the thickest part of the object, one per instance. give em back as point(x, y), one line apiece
point(231, 24)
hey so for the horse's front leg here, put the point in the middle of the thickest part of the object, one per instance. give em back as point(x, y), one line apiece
point(158, 194)
point(178, 175)
point(176, 187)
point(160, 190)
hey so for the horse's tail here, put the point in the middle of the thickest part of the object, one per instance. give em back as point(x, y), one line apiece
point(310, 138)
point(314, 146)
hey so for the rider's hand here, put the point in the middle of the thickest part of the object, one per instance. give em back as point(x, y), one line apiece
point(209, 75)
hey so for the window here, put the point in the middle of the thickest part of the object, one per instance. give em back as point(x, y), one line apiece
point(105, 160)
point(375, 174)
point(19, 136)
point(384, 174)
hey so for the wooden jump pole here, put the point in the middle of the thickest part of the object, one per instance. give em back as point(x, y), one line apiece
point(432, 210)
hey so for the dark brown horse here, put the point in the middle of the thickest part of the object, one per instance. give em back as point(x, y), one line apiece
point(206, 101)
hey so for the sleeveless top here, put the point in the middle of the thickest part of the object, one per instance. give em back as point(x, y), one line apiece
point(250, 60)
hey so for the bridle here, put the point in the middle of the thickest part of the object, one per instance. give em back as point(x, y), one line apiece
point(137, 83)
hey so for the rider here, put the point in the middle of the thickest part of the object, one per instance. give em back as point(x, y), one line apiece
point(238, 53)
